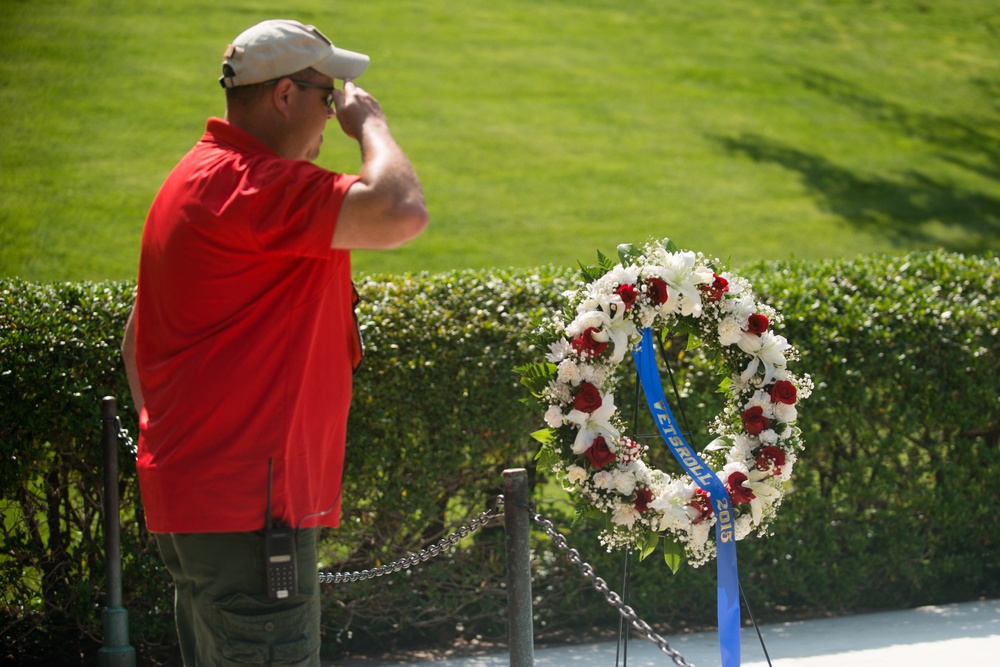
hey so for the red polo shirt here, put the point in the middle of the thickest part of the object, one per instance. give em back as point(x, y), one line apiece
point(245, 340)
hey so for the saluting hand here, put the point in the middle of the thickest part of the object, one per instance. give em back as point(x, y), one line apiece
point(354, 108)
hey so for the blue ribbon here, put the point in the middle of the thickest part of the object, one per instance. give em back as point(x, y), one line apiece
point(705, 478)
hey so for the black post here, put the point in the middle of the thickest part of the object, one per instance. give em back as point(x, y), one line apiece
point(116, 652)
point(519, 614)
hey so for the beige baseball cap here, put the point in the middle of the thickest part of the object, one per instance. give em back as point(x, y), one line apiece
point(279, 47)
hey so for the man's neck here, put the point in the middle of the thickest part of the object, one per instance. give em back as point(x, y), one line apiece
point(266, 130)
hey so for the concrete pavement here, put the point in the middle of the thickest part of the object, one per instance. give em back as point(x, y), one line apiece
point(966, 634)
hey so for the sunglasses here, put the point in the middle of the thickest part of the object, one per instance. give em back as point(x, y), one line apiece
point(306, 84)
point(310, 84)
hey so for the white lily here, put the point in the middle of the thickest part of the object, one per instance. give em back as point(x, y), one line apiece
point(612, 324)
point(764, 493)
point(585, 319)
point(682, 274)
point(767, 349)
point(671, 501)
point(620, 329)
point(593, 424)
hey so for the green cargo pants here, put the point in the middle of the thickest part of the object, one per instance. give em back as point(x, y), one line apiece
point(223, 614)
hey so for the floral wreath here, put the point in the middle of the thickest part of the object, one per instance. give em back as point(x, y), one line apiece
point(584, 445)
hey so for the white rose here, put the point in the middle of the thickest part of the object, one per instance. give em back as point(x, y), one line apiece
point(768, 437)
point(554, 416)
point(568, 372)
point(763, 400)
point(785, 413)
point(729, 331)
point(625, 515)
point(624, 482)
point(604, 480)
point(576, 475)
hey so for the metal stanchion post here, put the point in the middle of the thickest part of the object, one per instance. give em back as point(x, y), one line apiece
point(116, 651)
point(517, 523)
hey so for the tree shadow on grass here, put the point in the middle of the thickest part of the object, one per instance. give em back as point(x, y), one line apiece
point(908, 208)
point(905, 209)
point(961, 141)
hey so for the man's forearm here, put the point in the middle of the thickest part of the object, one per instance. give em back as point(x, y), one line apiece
point(386, 169)
point(131, 368)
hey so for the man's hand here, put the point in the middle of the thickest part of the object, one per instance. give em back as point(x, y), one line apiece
point(354, 108)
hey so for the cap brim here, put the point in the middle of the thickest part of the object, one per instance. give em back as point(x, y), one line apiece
point(343, 64)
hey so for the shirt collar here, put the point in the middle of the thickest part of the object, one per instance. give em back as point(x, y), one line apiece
point(221, 131)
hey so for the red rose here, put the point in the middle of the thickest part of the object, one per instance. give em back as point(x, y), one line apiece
point(784, 391)
point(642, 498)
point(718, 287)
point(770, 458)
point(599, 454)
point(585, 344)
point(628, 295)
point(657, 290)
point(587, 398)
point(754, 420)
point(738, 492)
point(702, 504)
point(757, 324)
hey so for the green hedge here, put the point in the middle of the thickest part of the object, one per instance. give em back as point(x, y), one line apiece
point(893, 500)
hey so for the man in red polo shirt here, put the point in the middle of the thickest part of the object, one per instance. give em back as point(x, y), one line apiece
point(242, 341)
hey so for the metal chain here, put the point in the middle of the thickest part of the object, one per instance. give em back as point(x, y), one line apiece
point(124, 436)
point(410, 560)
point(574, 556)
point(613, 598)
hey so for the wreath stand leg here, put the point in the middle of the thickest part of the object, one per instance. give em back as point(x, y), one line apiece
point(622, 650)
point(623, 634)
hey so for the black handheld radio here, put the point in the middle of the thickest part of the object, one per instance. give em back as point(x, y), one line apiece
point(279, 552)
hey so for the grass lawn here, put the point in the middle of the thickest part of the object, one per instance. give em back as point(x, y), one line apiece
point(541, 130)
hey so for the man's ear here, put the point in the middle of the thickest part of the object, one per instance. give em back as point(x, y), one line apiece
point(281, 96)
